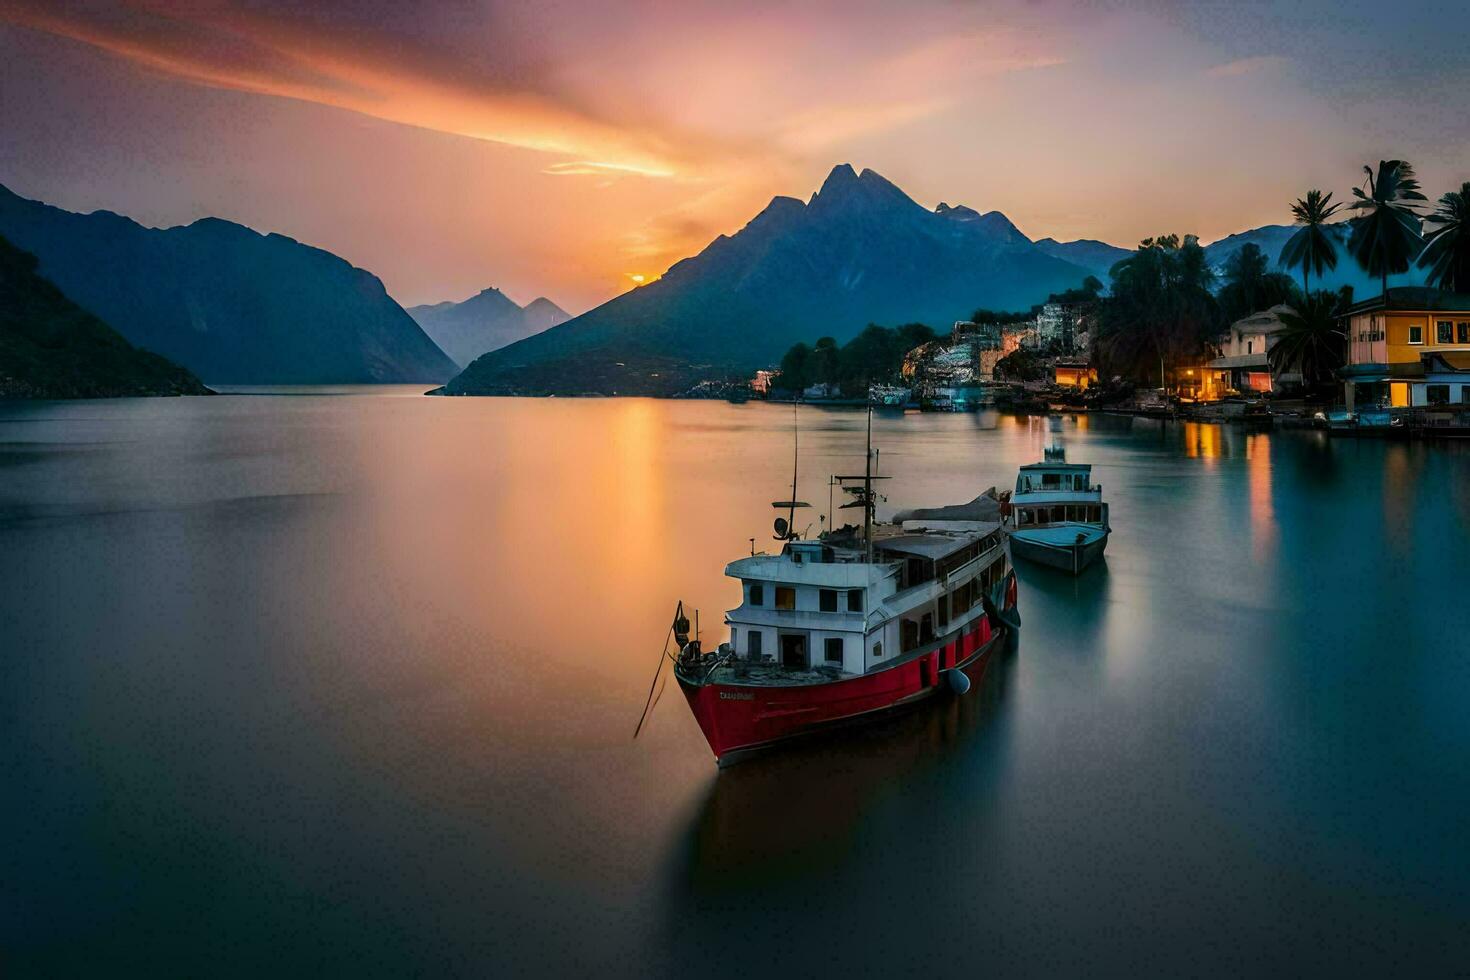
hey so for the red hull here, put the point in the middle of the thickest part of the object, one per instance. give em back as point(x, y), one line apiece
point(738, 718)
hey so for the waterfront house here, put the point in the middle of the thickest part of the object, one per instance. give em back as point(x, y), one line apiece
point(1243, 365)
point(1074, 373)
point(1409, 349)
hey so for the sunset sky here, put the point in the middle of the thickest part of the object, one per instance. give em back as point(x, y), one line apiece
point(562, 149)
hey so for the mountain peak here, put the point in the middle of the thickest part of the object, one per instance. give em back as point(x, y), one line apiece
point(1001, 226)
point(991, 224)
point(959, 212)
point(844, 187)
point(842, 175)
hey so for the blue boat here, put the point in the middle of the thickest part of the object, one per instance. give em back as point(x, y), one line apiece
point(1056, 516)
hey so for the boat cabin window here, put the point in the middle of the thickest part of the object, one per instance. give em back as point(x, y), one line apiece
point(942, 607)
point(964, 598)
point(994, 574)
point(828, 599)
point(854, 600)
point(833, 649)
point(926, 628)
point(1051, 480)
point(809, 551)
point(785, 597)
point(877, 649)
point(757, 594)
point(915, 570)
point(908, 634)
point(753, 644)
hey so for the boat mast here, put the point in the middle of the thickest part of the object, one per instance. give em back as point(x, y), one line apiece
point(795, 456)
point(868, 490)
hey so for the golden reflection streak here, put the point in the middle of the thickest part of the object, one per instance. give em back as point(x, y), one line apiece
point(1202, 440)
point(1262, 509)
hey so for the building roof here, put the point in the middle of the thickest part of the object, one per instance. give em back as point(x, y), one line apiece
point(1265, 321)
point(1413, 299)
point(1231, 361)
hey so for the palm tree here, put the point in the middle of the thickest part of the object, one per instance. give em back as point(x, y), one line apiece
point(1309, 342)
point(1386, 237)
point(1246, 269)
point(1160, 307)
point(1311, 249)
point(1447, 252)
point(1249, 287)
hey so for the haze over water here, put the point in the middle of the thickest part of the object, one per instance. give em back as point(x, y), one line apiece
point(346, 682)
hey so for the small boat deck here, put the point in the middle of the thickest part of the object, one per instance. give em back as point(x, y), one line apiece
point(770, 674)
point(1061, 535)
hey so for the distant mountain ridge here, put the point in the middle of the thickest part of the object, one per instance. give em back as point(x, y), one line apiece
point(52, 348)
point(230, 304)
point(1095, 256)
point(1272, 238)
point(487, 321)
point(859, 251)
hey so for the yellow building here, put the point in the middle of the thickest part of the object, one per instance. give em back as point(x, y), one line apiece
point(1074, 374)
point(1399, 350)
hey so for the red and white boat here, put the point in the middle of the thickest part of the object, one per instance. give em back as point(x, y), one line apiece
point(850, 624)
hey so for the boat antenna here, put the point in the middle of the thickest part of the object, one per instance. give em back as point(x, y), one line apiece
point(795, 456)
point(831, 482)
point(868, 489)
point(786, 526)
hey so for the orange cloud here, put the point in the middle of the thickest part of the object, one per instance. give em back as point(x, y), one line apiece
point(221, 46)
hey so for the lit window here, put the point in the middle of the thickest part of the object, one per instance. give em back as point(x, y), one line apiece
point(785, 597)
point(854, 600)
point(834, 649)
point(828, 600)
point(1444, 332)
point(1416, 334)
point(757, 594)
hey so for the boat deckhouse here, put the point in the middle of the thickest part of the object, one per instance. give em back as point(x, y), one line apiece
point(822, 604)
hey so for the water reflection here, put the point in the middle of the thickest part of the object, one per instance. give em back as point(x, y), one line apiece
point(1202, 440)
point(361, 673)
point(1262, 511)
point(1076, 605)
point(794, 815)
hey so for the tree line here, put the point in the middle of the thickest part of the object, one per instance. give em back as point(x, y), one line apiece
point(873, 356)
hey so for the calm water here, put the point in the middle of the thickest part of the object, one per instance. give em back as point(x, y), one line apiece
point(347, 683)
